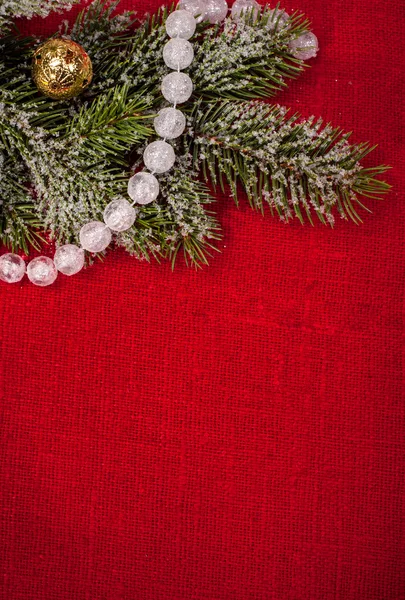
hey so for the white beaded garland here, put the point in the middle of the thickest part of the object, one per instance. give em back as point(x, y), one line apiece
point(159, 156)
point(41, 271)
point(305, 46)
point(178, 53)
point(215, 10)
point(95, 236)
point(69, 259)
point(195, 7)
point(170, 123)
point(180, 23)
point(177, 87)
point(119, 215)
point(143, 188)
point(240, 7)
point(12, 268)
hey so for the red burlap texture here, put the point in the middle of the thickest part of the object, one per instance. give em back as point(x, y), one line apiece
point(234, 433)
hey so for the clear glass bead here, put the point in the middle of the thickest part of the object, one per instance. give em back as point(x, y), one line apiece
point(95, 236)
point(69, 259)
point(305, 46)
point(215, 10)
point(42, 271)
point(177, 87)
point(195, 7)
point(178, 53)
point(180, 23)
point(12, 268)
point(159, 157)
point(242, 6)
point(143, 188)
point(278, 18)
point(170, 123)
point(119, 215)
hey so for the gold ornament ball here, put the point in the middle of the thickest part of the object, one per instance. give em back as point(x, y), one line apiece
point(61, 69)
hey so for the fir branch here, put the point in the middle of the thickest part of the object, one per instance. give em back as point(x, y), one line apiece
point(19, 223)
point(62, 162)
point(98, 29)
point(112, 124)
point(17, 89)
point(71, 184)
point(71, 188)
point(193, 227)
point(247, 58)
point(120, 53)
point(296, 166)
point(20, 226)
point(11, 9)
point(178, 222)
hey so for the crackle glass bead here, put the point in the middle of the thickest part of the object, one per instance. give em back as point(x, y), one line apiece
point(195, 7)
point(177, 87)
point(178, 53)
point(170, 123)
point(119, 215)
point(180, 23)
point(305, 46)
point(12, 268)
point(242, 6)
point(159, 156)
point(215, 10)
point(69, 259)
point(95, 236)
point(278, 18)
point(143, 188)
point(42, 271)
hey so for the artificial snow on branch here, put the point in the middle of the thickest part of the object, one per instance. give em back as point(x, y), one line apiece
point(63, 162)
point(11, 9)
point(296, 166)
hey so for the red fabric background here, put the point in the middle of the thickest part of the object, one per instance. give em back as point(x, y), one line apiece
point(236, 433)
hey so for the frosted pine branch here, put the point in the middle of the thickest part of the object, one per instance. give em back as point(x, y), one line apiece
point(296, 166)
point(62, 162)
point(10, 9)
point(247, 58)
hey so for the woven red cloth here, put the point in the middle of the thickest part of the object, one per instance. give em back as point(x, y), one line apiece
point(233, 433)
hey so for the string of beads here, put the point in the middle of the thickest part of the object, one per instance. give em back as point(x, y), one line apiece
point(159, 156)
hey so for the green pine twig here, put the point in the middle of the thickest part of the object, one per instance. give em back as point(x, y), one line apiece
point(62, 162)
point(297, 167)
